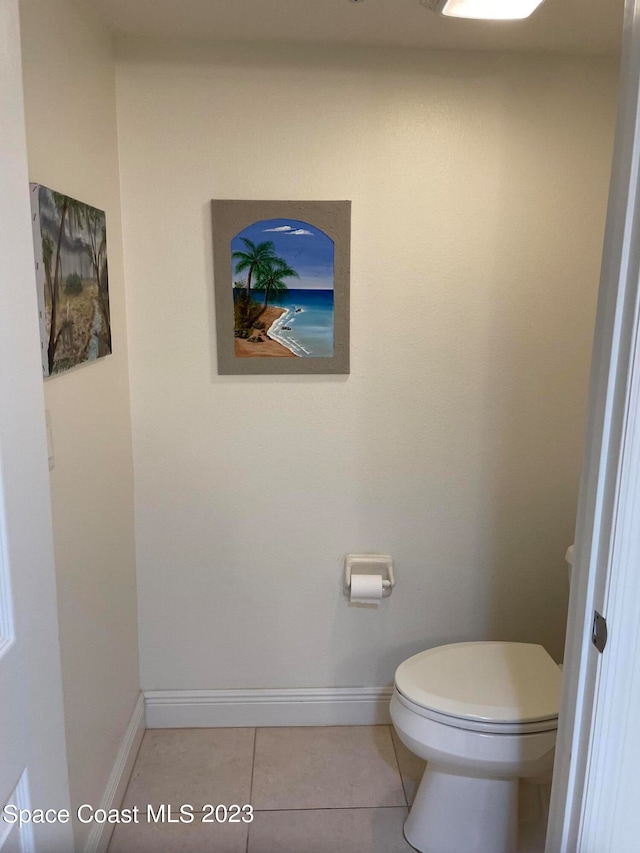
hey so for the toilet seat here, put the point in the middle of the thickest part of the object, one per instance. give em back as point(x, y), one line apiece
point(497, 687)
point(478, 725)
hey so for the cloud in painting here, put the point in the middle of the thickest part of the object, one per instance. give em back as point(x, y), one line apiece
point(287, 229)
point(311, 254)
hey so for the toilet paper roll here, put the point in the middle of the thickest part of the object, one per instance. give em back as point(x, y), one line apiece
point(366, 589)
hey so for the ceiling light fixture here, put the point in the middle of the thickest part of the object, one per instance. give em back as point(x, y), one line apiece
point(488, 10)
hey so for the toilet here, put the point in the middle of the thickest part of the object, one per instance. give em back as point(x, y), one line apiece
point(483, 715)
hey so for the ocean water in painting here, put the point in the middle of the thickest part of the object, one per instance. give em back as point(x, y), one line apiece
point(307, 326)
point(283, 264)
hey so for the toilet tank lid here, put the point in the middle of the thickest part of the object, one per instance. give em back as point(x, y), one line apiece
point(499, 682)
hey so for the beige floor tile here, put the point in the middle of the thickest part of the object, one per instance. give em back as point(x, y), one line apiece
point(325, 767)
point(194, 766)
point(534, 814)
point(411, 767)
point(532, 836)
point(530, 800)
point(196, 837)
point(329, 831)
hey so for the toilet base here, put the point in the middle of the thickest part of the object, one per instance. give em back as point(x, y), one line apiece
point(452, 813)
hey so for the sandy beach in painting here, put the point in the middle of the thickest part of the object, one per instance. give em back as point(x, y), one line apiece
point(268, 347)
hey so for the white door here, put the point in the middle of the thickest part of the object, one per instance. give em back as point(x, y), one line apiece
point(33, 770)
point(596, 795)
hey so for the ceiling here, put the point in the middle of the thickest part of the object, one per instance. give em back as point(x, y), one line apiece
point(558, 26)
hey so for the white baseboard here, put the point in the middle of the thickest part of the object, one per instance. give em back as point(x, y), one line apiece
point(312, 706)
point(100, 834)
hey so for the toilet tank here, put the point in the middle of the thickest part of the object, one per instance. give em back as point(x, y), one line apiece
point(569, 558)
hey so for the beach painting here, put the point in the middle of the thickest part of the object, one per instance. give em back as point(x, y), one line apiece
point(282, 290)
point(284, 277)
point(70, 247)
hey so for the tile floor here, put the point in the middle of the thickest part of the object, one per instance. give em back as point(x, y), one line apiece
point(317, 790)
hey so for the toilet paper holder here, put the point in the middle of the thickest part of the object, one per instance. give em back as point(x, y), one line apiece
point(370, 564)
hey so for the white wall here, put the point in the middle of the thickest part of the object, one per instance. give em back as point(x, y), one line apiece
point(479, 187)
point(72, 146)
point(32, 741)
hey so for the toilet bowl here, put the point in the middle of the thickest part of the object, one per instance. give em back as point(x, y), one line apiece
point(483, 715)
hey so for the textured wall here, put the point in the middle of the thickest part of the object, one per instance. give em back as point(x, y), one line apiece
point(479, 189)
point(72, 146)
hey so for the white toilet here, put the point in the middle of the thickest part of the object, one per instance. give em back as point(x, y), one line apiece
point(483, 715)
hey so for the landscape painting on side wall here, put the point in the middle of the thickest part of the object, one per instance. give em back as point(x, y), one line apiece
point(282, 279)
point(70, 247)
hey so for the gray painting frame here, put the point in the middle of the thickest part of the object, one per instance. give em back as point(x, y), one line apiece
point(229, 217)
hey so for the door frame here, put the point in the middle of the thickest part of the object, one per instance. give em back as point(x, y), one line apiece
point(595, 727)
point(33, 761)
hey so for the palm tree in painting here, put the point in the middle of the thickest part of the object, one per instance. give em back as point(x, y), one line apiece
point(256, 259)
point(271, 279)
point(68, 209)
point(97, 250)
point(47, 257)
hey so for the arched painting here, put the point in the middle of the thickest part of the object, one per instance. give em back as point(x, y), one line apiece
point(281, 277)
point(282, 290)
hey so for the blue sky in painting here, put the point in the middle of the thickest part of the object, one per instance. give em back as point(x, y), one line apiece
point(304, 247)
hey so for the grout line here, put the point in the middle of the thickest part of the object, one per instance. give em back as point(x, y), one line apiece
point(395, 752)
point(301, 809)
point(313, 809)
point(253, 764)
point(329, 809)
point(253, 761)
